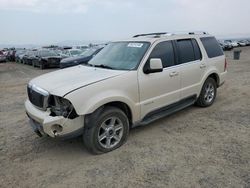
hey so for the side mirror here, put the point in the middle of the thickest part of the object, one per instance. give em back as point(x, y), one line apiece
point(155, 65)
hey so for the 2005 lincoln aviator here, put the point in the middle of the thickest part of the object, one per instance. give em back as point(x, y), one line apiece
point(129, 83)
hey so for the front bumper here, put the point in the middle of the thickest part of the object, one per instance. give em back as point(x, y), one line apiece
point(58, 126)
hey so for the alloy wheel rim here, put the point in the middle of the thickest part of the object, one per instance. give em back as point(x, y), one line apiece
point(110, 132)
point(209, 93)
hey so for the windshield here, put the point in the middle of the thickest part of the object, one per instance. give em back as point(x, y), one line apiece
point(47, 53)
point(88, 52)
point(121, 55)
point(75, 52)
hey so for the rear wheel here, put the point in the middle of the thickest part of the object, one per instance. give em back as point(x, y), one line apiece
point(208, 93)
point(105, 130)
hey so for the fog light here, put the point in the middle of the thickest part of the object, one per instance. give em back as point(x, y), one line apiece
point(56, 129)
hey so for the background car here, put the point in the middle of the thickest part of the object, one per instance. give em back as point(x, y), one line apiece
point(247, 42)
point(11, 54)
point(46, 58)
point(82, 59)
point(226, 46)
point(234, 43)
point(19, 55)
point(72, 52)
point(242, 43)
point(2, 57)
point(28, 57)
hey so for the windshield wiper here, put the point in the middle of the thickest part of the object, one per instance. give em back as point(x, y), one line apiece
point(103, 66)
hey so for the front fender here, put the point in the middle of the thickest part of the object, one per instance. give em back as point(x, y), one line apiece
point(91, 103)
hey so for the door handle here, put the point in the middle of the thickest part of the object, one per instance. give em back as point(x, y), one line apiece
point(203, 66)
point(172, 74)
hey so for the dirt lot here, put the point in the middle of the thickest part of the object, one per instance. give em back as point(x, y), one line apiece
point(193, 148)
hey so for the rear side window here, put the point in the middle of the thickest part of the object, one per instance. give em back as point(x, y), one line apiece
point(212, 47)
point(197, 51)
point(165, 52)
point(185, 51)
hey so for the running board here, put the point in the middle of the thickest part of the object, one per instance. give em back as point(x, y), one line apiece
point(166, 111)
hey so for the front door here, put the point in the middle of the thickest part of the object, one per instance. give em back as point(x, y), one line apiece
point(163, 88)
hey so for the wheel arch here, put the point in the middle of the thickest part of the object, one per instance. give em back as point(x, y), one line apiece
point(211, 74)
point(131, 109)
point(122, 106)
point(216, 77)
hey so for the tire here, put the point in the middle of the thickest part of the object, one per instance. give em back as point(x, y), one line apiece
point(96, 139)
point(42, 66)
point(208, 93)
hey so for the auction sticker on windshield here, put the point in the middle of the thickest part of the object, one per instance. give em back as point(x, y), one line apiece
point(135, 45)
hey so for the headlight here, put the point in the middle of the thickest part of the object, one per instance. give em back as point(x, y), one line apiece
point(61, 107)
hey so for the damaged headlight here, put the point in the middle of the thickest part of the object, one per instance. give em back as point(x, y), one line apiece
point(61, 107)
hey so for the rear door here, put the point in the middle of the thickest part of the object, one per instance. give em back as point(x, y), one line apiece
point(191, 65)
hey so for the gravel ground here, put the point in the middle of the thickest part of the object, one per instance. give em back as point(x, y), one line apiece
point(196, 147)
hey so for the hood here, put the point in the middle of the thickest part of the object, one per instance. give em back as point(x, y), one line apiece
point(63, 81)
point(72, 59)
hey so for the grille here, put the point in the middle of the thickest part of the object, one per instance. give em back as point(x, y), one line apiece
point(36, 98)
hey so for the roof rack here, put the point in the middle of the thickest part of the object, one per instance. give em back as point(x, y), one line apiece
point(149, 34)
point(156, 35)
point(198, 33)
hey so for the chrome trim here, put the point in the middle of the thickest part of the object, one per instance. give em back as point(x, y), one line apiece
point(42, 92)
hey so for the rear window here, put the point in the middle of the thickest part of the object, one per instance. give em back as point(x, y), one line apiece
point(212, 47)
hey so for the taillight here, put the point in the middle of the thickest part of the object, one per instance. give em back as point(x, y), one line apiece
point(225, 65)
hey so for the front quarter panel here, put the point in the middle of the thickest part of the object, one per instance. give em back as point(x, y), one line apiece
point(122, 88)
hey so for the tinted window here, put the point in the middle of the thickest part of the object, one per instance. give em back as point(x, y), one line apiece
point(212, 47)
point(197, 51)
point(185, 51)
point(165, 52)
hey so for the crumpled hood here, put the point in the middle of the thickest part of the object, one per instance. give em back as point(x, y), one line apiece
point(63, 81)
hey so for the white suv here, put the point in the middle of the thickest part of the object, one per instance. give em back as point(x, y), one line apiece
point(129, 83)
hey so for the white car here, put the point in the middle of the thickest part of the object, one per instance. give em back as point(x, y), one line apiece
point(235, 43)
point(241, 43)
point(129, 83)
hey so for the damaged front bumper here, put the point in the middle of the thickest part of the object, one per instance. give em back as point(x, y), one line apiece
point(57, 126)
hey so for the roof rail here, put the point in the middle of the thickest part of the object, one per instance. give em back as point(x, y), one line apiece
point(148, 34)
point(198, 33)
point(189, 33)
point(169, 34)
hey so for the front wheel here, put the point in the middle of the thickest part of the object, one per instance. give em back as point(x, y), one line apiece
point(42, 66)
point(208, 93)
point(105, 130)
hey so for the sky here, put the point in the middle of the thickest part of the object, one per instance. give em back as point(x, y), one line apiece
point(54, 21)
